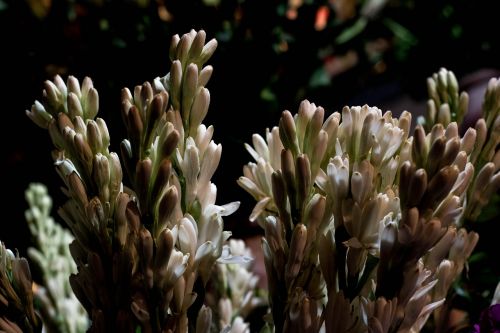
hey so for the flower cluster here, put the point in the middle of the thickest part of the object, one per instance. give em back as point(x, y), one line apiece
point(59, 309)
point(363, 221)
point(480, 143)
point(145, 250)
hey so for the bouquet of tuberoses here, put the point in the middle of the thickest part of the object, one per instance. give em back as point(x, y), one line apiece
point(364, 224)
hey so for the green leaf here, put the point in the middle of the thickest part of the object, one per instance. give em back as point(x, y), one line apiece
point(267, 94)
point(319, 78)
point(477, 257)
point(352, 31)
point(400, 32)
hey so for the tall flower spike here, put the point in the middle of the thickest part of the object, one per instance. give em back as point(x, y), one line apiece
point(61, 311)
point(92, 175)
point(170, 158)
point(328, 178)
point(486, 155)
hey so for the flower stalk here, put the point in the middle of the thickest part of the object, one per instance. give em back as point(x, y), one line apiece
point(363, 221)
point(145, 251)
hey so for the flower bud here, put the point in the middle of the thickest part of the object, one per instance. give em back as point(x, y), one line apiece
point(189, 86)
point(199, 109)
point(205, 75)
point(207, 52)
point(176, 84)
point(94, 137)
point(303, 178)
point(39, 115)
point(296, 252)
point(183, 47)
point(173, 47)
point(204, 319)
point(74, 106)
point(288, 134)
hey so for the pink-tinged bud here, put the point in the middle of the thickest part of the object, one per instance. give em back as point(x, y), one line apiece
point(189, 86)
point(183, 48)
point(207, 52)
point(170, 144)
point(53, 97)
point(435, 154)
point(87, 85)
point(74, 106)
point(288, 133)
point(314, 212)
point(176, 84)
point(122, 229)
point(419, 151)
point(197, 46)
point(303, 179)
point(166, 207)
point(146, 96)
point(164, 247)
point(417, 188)
point(451, 151)
point(173, 47)
point(296, 252)
point(136, 127)
point(205, 75)
point(61, 86)
point(94, 137)
point(83, 151)
point(161, 178)
point(63, 121)
point(408, 226)
point(74, 86)
point(39, 115)
point(103, 130)
point(481, 134)
point(439, 186)
point(204, 319)
point(312, 130)
point(199, 110)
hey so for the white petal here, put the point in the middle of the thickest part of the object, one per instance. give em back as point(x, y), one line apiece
point(205, 249)
point(259, 208)
point(230, 208)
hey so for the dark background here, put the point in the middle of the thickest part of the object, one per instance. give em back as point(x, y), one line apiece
point(271, 55)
